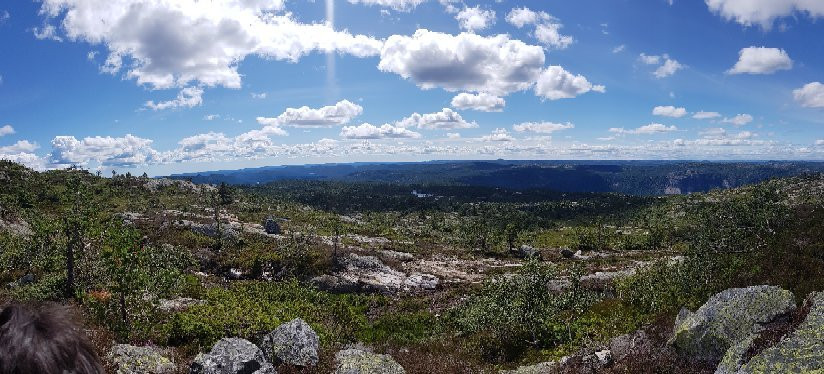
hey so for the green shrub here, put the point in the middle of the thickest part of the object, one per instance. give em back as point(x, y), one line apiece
point(513, 313)
point(249, 308)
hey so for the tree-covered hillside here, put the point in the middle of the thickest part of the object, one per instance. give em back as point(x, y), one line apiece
point(467, 279)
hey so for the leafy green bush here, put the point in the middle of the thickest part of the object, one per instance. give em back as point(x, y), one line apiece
point(513, 313)
point(249, 308)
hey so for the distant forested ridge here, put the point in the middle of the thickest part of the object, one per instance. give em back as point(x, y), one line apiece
point(627, 177)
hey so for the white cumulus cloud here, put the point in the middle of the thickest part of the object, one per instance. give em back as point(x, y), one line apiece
point(187, 98)
point(761, 60)
point(127, 151)
point(652, 128)
point(667, 66)
point(542, 127)
point(811, 95)
point(496, 64)
point(764, 12)
point(482, 101)
point(333, 115)
point(182, 43)
point(706, 115)
point(499, 135)
point(369, 131)
point(669, 111)
point(738, 120)
point(6, 130)
point(446, 119)
point(475, 19)
point(556, 83)
point(399, 5)
point(547, 28)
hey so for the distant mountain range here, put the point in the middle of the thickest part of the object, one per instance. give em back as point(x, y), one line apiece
point(628, 177)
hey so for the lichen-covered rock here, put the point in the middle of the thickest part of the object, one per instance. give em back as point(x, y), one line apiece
point(542, 368)
point(232, 356)
point(129, 359)
point(356, 361)
point(727, 318)
point(293, 342)
point(734, 357)
point(802, 351)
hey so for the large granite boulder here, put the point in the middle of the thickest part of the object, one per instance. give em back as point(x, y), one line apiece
point(232, 356)
point(129, 359)
point(294, 343)
point(800, 351)
point(728, 318)
point(356, 361)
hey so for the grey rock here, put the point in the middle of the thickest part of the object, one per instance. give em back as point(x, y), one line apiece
point(727, 318)
point(335, 284)
point(801, 351)
point(293, 342)
point(624, 345)
point(178, 304)
point(232, 356)
point(356, 361)
point(527, 251)
point(23, 281)
point(129, 359)
point(271, 226)
point(542, 368)
point(396, 255)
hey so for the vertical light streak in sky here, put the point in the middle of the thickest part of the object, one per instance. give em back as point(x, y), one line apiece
point(331, 86)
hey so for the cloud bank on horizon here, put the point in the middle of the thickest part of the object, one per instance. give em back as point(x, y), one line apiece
point(181, 85)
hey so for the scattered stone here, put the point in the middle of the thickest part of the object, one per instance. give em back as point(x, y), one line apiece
point(627, 344)
point(18, 227)
point(206, 257)
point(420, 281)
point(129, 359)
point(604, 357)
point(727, 318)
point(155, 184)
point(232, 356)
point(356, 361)
point(23, 281)
point(178, 304)
point(527, 251)
point(271, 226)
point(542, 368)
point(234, 274)
point(294, 343)
point(396, 256)
point(333, 283)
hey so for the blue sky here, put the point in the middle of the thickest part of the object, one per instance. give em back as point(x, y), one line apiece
point(166, 86)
